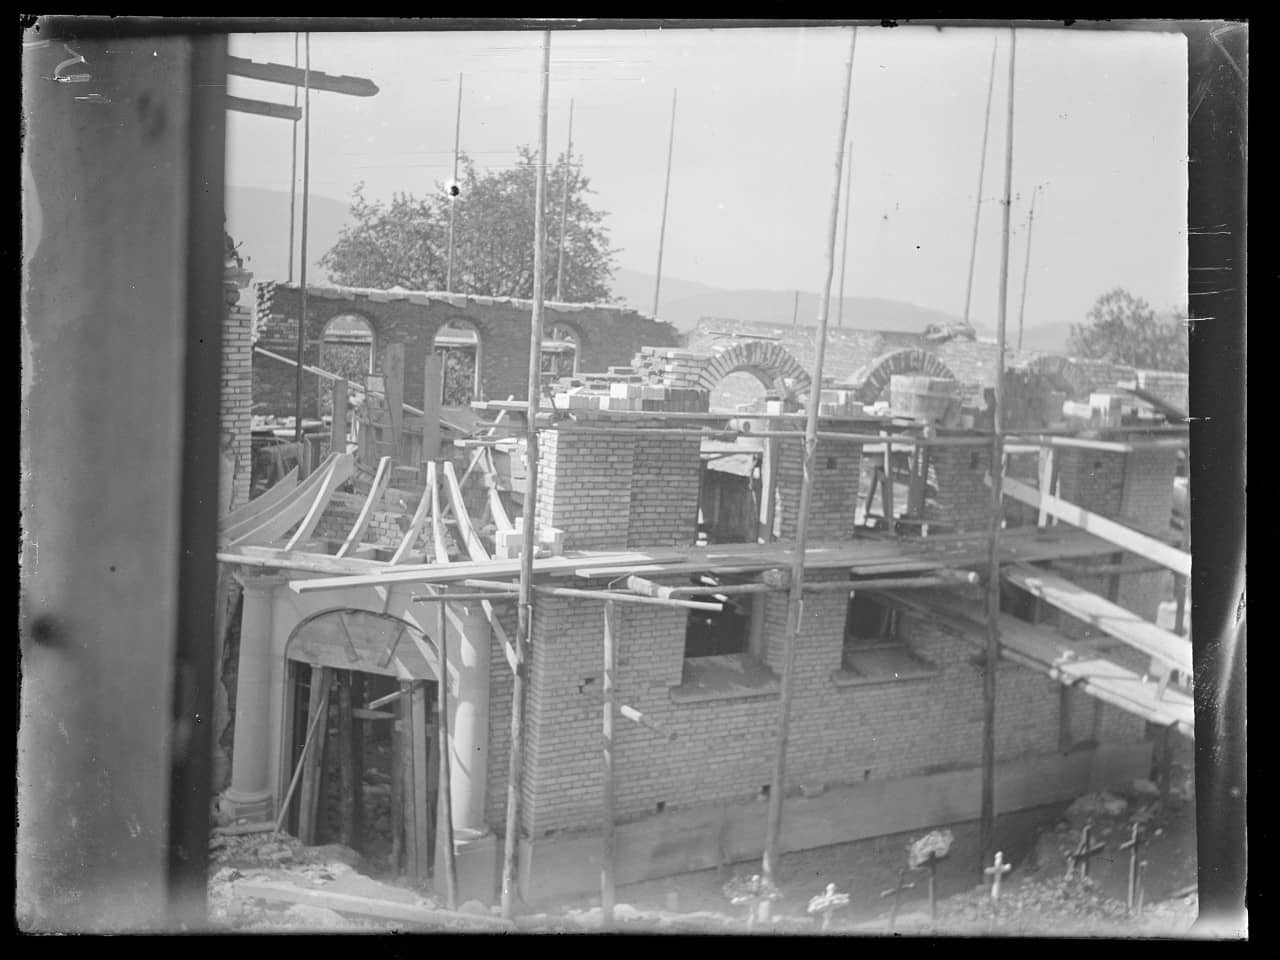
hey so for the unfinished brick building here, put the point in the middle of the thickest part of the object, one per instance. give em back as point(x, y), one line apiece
point(887, 717)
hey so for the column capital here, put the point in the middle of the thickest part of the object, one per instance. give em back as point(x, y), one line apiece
point(261, 584)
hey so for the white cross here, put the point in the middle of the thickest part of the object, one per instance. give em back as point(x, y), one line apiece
point(997, 869)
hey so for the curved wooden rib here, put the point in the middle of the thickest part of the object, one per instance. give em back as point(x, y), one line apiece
point(380, 480)
point(258, 506)
point(419, 517)
point(332, 477)
point(471, 541)
point(437, 524)
point(294, 507)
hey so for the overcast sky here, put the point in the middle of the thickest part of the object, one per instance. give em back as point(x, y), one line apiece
point(1100, 121)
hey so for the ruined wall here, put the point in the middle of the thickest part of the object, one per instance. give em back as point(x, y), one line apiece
point(724, 747)
point(606, 336)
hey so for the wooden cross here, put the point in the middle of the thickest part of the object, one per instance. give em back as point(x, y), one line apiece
point(827, 902)
point(931, 864)
point(1083, 853)
point(1142, 870)
point(997, 870)
point(1133, 844)
point(896, 893)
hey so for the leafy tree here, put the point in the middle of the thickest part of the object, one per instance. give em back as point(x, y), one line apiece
point(406, 242)
point(1124, 329)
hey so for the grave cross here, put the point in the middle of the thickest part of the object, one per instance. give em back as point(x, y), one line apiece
point(931, 864)
point(997, 870)
point(1142, 870)
point(1133, 844)
point(826, 903)
point(896, 893)
point(1083, 853)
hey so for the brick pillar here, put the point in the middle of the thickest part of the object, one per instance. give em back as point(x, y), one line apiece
point(836, 472)
point(963, 501)
point(250, 793)
point(584, 487)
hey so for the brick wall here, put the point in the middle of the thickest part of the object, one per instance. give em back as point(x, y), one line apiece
point(724, 748)
point(963, 501)
point(606, 336)
point(1168, 386)
point(836, 468)
point(236, 404)
point(665, 476)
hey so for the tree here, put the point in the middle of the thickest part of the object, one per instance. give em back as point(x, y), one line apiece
point(406, 242)
point(1124, 329)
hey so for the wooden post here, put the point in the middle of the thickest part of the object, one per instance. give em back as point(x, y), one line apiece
point(293, 162)
point(432, 388)
point(457, 139)
point(1133, 845)
point(408, 794)
point(313, 760)
point(444, 809)
point(397, 796)
point(357, 762)
point(607, 864)
point(992, 658)
point(795, 600)
point(524, 623)
point(1026, 264)
point(306, 206)
point(888, 484)
point(564, 216)
point(346, 761)
point(666, 195)
point(844, 244)
point(420, 746)
point(393, 370)
point(338, 425)
point(313, 724)
point(1048, 468)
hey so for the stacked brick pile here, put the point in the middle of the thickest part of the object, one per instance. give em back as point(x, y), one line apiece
point(678, 368)
point(622, 388)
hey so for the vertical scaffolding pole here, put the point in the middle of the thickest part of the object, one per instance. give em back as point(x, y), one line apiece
point(293, 164)
point(666, 195)
point(844, 244)
point(982, 169)
point(525, 612)
point(795, 600)
point(987, 822)
point(564, 211)
point(444, 779)
point(306, 196)
point(607, 868)
point(1026, 265)
point(457, 140)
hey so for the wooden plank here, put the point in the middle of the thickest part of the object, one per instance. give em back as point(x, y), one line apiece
point(295, 499)
point(444, 807)
point(263, 502)
point(338, 423)
point(409, 795)
point(888, 484)
point(332, 478)
point(362, 713)
point(415, 525)
point(263, 108)
point(366, 906)
point(298, 504)
point(1116, 533)
point(1048, 473)
point(496, 507)
point(292, 76)
point(313, 760)
point(432, 391)
point(349, 774)
point(397, 794)
point(421, 804)
point(393, 369)
point(380, 480)
point(1109, 617)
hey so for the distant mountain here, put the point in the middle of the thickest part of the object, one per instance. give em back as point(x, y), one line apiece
point(258, 221)
point(684, 303)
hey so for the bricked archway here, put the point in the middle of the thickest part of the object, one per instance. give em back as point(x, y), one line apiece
point(873, 380)
point(775, 367)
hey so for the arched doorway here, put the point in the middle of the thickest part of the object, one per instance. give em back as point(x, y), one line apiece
point(462, 353)
point(362, 686)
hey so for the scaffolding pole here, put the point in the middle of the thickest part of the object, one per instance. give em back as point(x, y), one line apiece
point(453, 186)
point(306, 197)
point(795, 600)
point(564, 210)
point(666, 195)
point(982, 169)
point(525, 615)
point(992, 655)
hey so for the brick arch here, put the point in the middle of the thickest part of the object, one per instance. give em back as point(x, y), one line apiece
point(873, 380)
point(776, 367)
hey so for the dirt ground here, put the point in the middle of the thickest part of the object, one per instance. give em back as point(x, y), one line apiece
point(1037, 898)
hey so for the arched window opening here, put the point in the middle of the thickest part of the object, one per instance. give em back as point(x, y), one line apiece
point(458, 345)
point(346, 347)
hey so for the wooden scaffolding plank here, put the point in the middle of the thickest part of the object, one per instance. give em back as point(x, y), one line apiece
point(1117, 533)
point(1116, 621)
point(496, 508)
point(380, 480)
point(313, 762)
point(438, 541)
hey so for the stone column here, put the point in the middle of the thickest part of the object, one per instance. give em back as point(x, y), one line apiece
point(250, 793)
point(468, 635)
